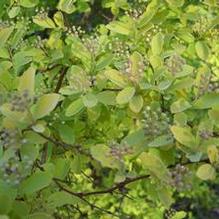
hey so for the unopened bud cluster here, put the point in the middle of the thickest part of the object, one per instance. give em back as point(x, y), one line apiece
point(41, 13)
point(152, 32)
point(207, 86)
point(4, 24)
point(201, 26)
point(213, 86)
point(136, 73)
point(179, 178)
point(119, 48)
point(214, 33)
point(155, 122)
point(168, 214)
point(20, 101)
point(80, 82)
point(134, 13)
point(175, 64)
point(9, 137)
point(203, 85)
point(118, 151)
point(75, 31)
point(13, 170)
point(92, 44)
point(205, 134)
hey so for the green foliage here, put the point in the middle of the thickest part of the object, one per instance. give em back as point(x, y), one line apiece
point(108, 108)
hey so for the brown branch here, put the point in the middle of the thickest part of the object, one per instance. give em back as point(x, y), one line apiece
point(82, 198)
point(61, 79)
point(120, 185)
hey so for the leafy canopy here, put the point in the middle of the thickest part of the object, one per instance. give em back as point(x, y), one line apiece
point(108, 109)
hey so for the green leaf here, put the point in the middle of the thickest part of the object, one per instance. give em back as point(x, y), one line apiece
point(40, 215)
point(102, 154)
point(213, 154)
point(6, 203)
point(67, 6)
point(214, 115)
point(45, 22)
point(90, 100)
point(36, 182)
point(176, 3)
point(161, 141)
point(116, 77)
point(45, 105)
point(74, 108)
point(157, 44)
point(62, 167)
point(179, 215)
point(5, 33)
point(202, 50)
point(136, 103)
point(66, 134)
point(207, 101)
point(136, 65)
point(59, 199)
point(155, 165)
point(180, 105)
point(59, 19)
point(206, 172)
point(107, 97)
point(184, 136)
point(156, 61)
point(165, 196)
point(146, 17)
point(104, 61)
point(20, 209)
point(14, 11)
point(185, 35)
point(27, 81)
point(125, 95)
point(28, 3)
point(119, 27)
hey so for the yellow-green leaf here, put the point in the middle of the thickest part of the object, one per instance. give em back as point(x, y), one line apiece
point(116, 77)
point(179, 106)
point(28, 3)
point(207, 101)
point(157, 44)
point(213, 154)
point(125, 95)
point(136, 104)
point(184, 136)
point(90, 100)
point(74, 108)
point(175, 3)
point(5, 33)
point(202, 50)
point(206, 172)
point(155, 165)
point(59, 19)
point(45, 105)
point(45, 22)
point(107, 97)
point(67, 6)
point(27, 80)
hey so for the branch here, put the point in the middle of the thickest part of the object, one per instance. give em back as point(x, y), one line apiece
point(120, 185)
point(61, 78)
point(83, 199)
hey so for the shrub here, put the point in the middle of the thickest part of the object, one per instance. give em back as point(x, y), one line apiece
point(108, 109)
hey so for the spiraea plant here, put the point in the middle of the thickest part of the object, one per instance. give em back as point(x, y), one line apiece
point(109, 109)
